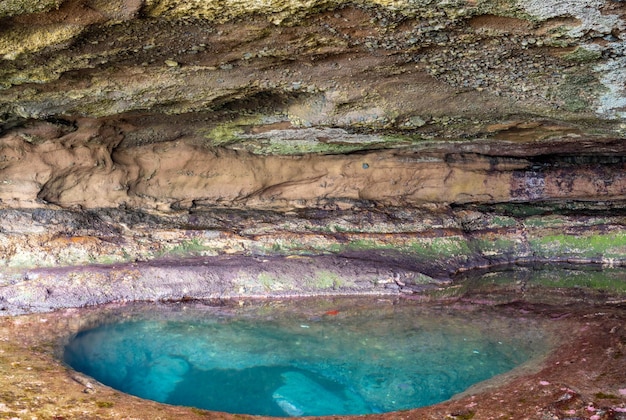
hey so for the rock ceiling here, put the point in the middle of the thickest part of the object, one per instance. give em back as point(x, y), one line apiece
point(243, 114)
point(173, 105)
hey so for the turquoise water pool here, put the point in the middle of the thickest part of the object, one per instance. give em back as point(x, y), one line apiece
point(278, 362)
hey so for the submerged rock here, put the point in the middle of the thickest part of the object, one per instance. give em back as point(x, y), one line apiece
point(301, 396)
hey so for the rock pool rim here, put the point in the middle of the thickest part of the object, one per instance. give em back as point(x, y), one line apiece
point(264, 310)
point(588, 329)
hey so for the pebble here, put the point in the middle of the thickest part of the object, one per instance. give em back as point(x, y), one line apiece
point(415, 122)
point(171, 63)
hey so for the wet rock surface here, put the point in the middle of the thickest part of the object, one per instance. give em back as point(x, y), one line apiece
point(43, 290)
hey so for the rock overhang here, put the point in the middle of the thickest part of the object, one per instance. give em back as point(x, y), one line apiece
point(174, 57)
point(162, 109)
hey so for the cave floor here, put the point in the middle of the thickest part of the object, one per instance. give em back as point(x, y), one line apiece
point(582, 377)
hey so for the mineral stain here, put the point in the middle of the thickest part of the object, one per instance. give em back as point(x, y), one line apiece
point(354, 362)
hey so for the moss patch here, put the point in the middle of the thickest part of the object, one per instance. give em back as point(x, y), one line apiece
point(31, 39)
point(447, 247)
point(506, 8)
point(229, 132)
point(583, 55)
point(578, 91)
point(592, 246)
point(269, 282)
point(327, 280)
point(496, 247)
point(189, 248)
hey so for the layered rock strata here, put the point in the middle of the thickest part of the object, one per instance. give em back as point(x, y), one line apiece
point(456, 134)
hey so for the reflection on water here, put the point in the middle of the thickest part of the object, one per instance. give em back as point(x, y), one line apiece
point(304, 357)
point(552, 283)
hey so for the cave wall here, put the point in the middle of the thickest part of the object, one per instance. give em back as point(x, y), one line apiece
point(130, 130)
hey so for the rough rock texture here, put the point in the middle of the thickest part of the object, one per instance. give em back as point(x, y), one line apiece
point(424, 137)
point(270, 111)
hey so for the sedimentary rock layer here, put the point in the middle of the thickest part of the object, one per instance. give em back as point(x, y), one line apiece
point(88, 167)
point(172, 105)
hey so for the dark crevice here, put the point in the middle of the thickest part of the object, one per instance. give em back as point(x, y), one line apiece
point(257, 102)
point(543, 208)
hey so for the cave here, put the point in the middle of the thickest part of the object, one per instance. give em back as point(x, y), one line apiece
point(464, 154)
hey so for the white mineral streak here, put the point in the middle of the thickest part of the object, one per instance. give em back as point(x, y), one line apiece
point(587, 11)
point(612, 73)
point(613, 102)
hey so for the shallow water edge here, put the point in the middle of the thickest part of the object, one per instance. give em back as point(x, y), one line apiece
point(222, 277)
point(26, 291)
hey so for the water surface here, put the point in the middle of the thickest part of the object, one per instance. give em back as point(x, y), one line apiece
point(306, 358)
